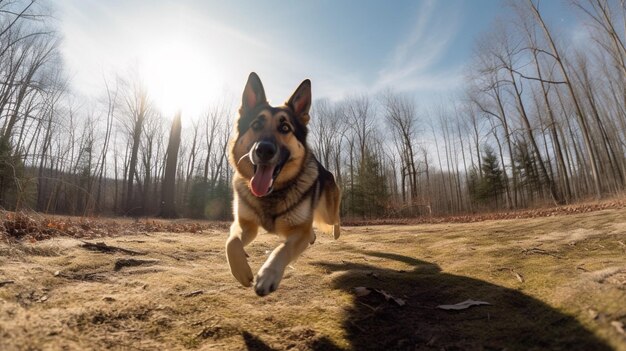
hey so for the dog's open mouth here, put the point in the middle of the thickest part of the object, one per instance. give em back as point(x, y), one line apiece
point(262, 182)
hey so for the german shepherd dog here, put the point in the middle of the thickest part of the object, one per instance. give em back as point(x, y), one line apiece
point(278, 184)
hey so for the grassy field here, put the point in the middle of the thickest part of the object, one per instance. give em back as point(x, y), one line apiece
point(554, 283)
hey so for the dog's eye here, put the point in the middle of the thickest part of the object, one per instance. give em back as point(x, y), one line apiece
point(256, 125)
point(284, 128)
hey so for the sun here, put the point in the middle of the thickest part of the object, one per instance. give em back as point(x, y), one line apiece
point(180, 76)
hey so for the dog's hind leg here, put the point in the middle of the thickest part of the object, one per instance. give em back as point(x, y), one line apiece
point(242, 233)
point(336, 231)
point(326, 216)
point(272, 271)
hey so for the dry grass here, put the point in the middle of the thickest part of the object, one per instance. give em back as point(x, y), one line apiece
point(553, 283)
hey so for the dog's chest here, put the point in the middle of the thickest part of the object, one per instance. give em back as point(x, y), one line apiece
point(280, 209)
point(287, 211)
point(296, 215)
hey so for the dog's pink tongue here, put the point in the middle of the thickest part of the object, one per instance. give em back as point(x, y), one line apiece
point(262, 180)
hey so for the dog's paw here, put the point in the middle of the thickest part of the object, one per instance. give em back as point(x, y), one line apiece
point(238, 263)
point(313, 238)
point(267, 281)
point(243, 275)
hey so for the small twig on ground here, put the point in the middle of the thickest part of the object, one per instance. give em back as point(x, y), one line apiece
point(6, 282)
point(102, 247)
point(193, 293)
point(90, 276)
point(132, 262)
point(375, 309)
point(463, 305)
point(519, 277)
point(536, 250)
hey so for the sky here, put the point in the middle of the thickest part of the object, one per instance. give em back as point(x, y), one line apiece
point(190, 53)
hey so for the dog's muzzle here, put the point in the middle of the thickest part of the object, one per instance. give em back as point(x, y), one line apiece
point(264, 152)
point(268, 159)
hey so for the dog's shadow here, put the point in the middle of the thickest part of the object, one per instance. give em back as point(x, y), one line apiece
point(513, 321)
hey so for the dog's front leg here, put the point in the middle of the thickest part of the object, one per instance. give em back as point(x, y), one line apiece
point(273, 269)
point(242, 233)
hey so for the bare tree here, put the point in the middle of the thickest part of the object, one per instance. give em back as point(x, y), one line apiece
point(555, 53)
point(401, 118)
point(137, 107)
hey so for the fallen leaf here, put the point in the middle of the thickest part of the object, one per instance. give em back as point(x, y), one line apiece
point(518, 276)
point(463, 305)
point(387, 296)
point(399, 301)
point(619, 326)
point(361, 291)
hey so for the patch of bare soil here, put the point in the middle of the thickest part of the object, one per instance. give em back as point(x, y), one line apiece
point(554, 283)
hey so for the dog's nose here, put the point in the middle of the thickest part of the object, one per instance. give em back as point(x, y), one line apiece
point(265, 150)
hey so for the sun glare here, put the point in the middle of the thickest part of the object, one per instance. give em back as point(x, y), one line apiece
point(180, 77)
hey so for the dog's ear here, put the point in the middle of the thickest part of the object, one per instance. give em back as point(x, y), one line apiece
point(300, 101)
point(253, 93)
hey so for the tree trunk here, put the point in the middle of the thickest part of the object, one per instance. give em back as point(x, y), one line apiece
point(168, 192)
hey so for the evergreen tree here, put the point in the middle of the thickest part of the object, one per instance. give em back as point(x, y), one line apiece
point(473, 183)
point(369, 194)
point(492, 183)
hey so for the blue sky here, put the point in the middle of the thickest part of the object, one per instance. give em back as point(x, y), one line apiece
point(191, 53)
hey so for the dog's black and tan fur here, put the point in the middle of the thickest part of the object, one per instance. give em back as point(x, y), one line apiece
point(271, 142)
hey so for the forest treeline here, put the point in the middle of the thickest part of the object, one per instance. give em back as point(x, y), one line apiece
point(541, 118)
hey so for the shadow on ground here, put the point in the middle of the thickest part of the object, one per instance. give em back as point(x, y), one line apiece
point(513, 321)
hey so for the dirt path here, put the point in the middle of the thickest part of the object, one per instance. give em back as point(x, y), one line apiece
point(552, 283)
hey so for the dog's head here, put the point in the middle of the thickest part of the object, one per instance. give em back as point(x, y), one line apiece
point(269, 147)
